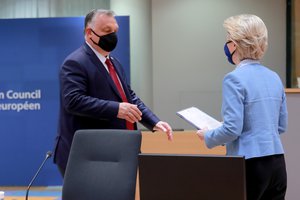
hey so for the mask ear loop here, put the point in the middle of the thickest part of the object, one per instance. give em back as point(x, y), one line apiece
point(228, 53)
point(96, 35)
point(234, 50)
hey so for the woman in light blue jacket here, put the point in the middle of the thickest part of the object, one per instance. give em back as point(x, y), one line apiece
point(253, 109)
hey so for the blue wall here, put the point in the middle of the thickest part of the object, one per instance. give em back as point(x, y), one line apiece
point(31, 52)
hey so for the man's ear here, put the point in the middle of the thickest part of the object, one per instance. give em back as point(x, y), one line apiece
point(88, 31)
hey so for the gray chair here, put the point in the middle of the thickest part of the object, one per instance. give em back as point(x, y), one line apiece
point(102, 165)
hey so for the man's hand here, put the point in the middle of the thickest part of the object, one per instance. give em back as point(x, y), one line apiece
point(129, 112)
point(164, 127)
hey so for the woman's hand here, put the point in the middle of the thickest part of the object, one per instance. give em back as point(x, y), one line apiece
point(201, 133)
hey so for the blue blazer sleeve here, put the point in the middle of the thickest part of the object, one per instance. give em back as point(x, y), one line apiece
point(233, 111)
point(283, 117)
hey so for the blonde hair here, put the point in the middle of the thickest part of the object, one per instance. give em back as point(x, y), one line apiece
point(249, 33)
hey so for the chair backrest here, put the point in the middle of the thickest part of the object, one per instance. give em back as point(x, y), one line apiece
point(102, 165)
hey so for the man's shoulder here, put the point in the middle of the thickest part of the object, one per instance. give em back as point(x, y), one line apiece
point(77, 54)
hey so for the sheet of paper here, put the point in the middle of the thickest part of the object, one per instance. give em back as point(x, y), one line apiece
point(198, 118)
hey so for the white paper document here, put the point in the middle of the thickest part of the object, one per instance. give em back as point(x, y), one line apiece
point(198, 118)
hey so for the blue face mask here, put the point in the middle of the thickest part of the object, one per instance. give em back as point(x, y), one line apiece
point(228, 54)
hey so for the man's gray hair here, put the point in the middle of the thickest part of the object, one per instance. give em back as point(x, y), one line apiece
point(90, 17)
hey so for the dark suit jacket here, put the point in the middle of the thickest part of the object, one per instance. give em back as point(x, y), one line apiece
point(90, 100)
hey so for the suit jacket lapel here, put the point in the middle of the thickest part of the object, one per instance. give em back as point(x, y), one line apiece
point(121, 78)
point(98, 64)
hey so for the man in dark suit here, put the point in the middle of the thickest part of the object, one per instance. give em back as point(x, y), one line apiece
point(94, 92)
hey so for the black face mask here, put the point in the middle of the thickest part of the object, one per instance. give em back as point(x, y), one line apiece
point(106, 42)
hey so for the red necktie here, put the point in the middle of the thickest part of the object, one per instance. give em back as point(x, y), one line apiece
point(114, 76)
